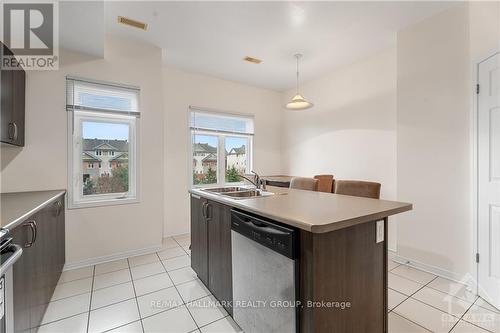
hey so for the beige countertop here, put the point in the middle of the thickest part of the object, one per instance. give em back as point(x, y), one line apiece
point(316, 212)
point(17, 206)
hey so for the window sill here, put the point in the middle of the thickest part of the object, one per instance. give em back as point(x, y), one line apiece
point(102, 203)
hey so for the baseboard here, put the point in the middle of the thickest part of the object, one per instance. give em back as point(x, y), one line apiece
point(174, 235)
point(466, 279)
point(111, 257)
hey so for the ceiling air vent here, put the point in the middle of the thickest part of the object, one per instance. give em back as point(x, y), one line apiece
point(132, 23)
point(252, 60)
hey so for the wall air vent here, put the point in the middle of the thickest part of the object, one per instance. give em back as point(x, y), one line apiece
point(252, 60)
point(132, 23)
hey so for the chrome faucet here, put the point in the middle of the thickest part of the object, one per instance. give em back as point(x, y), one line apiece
point(257, 182)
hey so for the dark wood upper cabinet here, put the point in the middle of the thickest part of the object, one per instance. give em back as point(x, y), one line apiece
point(13, 99)
point(199, 238)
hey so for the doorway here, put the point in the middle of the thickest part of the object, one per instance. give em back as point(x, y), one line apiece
point(488, 166)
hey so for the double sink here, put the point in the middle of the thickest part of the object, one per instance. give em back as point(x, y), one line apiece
point(238, 192)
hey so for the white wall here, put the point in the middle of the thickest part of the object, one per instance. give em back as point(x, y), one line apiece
point(351, 131)
point(435, 138)
point(181, 89)
point(42, 163)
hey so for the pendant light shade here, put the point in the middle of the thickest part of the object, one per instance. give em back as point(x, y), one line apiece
point(298, 101)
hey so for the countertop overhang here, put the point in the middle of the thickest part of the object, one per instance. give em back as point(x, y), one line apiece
point(316, 212)
point(16, 207)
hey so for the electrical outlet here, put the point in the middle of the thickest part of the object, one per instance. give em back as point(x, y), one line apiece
point(380, 231)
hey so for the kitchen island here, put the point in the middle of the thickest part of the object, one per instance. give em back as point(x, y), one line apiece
point(341, 252)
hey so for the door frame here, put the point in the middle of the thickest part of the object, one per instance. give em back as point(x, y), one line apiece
point(475, 165)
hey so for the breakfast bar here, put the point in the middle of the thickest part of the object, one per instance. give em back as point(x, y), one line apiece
point(340, 259)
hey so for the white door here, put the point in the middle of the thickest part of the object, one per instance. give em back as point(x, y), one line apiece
point(489, 179)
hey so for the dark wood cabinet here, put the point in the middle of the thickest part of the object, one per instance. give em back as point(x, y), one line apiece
point(13, 91)
point(211, 247)
point(199, 238)
point(219, 252)
point(38, 270)
point(22, 280)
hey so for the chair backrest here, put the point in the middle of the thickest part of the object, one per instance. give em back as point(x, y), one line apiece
point(325, 183)
point(302, 183)
point(358, 188)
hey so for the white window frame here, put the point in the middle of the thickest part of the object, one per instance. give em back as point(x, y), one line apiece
point(76, 199)
point(221, 135)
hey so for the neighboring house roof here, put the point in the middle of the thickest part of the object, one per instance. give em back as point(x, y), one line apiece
point(210, 158)
point(237, 151)
point(120, 157)
point(94, 144)
point(88, 157)
point(204, 148)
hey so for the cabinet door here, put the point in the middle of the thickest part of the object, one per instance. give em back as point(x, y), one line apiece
point(37, 265)
point(21, 276)
point(13, 91)
point(60, 239)
point(18, 106)
point(199, 238)
point(219, 252)
point(6, 104)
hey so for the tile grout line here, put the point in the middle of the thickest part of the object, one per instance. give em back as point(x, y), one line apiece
point(175, 240)
point(194, 321)
point(432, 306)
point(61, 319)
point(91, 294)
point(423, 286)
point(468, 322)
point(411, 321)
point(135, 294)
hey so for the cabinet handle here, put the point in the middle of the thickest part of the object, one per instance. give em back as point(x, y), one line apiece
point(32, 225)
point(209, 208)
point(13, 133)
point(203, 210)
point(58, 208)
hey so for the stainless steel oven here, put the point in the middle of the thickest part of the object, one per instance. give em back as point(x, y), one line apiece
point(9, 253)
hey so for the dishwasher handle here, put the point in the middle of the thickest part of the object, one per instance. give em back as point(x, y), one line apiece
point(269, 234)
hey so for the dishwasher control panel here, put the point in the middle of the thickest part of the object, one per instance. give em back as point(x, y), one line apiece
point(276, 237)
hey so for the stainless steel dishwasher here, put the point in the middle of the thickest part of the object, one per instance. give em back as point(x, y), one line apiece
point(265, 275)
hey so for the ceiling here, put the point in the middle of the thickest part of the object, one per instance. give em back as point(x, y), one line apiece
point(75, 32)
point(213, 37)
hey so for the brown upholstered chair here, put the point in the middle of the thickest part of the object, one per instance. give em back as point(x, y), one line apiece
point(325, 183)
point(358, 188)
point(302, 183)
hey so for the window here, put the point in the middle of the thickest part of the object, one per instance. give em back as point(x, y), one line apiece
point(221, 147)
point(103, 119)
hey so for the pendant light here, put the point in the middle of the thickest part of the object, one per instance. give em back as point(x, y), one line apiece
point(298, 101)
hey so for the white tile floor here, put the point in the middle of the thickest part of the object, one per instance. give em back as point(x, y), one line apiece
point(423, 302)
point(160, 293)
point(156, 292)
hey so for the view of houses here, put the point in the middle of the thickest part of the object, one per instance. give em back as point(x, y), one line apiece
point(105, 166)
point(205, 163)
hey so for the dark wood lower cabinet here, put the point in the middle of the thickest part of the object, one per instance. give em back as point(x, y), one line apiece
point(199, 238)
point(220, 278)
point(211, 247)
point(38, 270)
